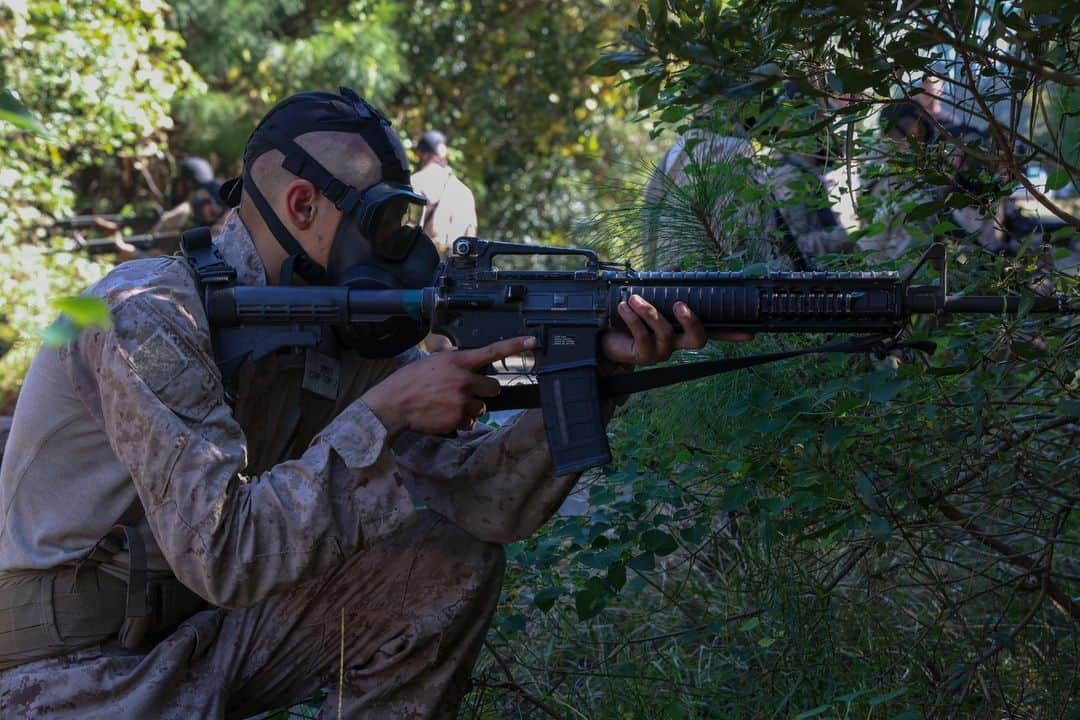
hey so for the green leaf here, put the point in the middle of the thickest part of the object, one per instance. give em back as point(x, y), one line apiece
point(599, 560)
point(946, 370)
point(648, 92)
point(886, 697)
point(14, 112)
point(591, 599)
point(736, 498)
point(808, 500)
point(514, 622)
point(545, 598)
point(60, 332)
point(925, 210)
point(695, 533)
point(84, 311)
point(834, 435)
point(616, 577)
point(1069, 407)
point(853, 695)
point(880, 527)
point(812, 713)
point(750, 624)
point(642, 563)
point(674, 113)
point(612, 63)
point(658, 11)
point(907, 715)
point(880, 386)
point(1057, 180)
point(658, 542)
point(1027, 350)
point(737, 408)
point(854, 79)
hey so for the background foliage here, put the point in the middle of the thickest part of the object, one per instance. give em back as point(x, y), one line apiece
point(830, 538)
point(99, 79)
point(123, 91)
point(845, 537)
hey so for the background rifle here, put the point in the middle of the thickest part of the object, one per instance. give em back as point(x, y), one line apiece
point(108, 222)
point(168, 243)
point(475, 303)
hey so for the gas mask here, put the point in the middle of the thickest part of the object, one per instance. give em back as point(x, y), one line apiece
point(378, 243)
point(380, 246)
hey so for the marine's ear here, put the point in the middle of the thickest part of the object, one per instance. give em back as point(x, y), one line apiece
point(301, 203)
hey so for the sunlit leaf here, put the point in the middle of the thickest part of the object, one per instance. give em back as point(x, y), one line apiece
point(84, 311)
point(14, 112)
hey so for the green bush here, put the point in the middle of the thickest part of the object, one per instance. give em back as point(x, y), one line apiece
point(100, 77)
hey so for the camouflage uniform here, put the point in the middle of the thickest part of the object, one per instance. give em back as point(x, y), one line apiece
point(722, 167)
point(289, 511)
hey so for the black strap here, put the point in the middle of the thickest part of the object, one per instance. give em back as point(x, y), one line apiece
point(138, 603)
point(515, 397)
point(298, 259)
point(209, 266)
point(377, 136)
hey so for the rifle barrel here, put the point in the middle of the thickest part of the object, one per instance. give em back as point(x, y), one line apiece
point(925, 303)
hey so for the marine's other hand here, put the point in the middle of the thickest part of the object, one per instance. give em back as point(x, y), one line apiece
point(652, 339)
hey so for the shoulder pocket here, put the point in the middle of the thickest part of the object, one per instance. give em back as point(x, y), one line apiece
point(178, 374)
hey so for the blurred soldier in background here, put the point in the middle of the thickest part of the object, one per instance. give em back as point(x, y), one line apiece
point(451, 209)
point(986, 225)
point(195, 202)
point(195, 198)
point(761, 202)
point(906, 131)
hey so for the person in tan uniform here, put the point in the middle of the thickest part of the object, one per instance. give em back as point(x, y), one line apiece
point(450, 211)
point(176, 543)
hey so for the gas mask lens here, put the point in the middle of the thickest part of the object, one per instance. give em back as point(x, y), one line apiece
point(397, 226)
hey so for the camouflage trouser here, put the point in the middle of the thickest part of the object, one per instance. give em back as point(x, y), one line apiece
point(414, 608)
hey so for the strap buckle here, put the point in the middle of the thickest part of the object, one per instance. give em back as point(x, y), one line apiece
point(204, 258)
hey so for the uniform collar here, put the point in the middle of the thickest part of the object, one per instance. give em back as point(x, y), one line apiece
point(238, 249)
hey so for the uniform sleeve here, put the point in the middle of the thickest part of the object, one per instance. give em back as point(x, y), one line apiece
point(231, 538)
point(496, 484)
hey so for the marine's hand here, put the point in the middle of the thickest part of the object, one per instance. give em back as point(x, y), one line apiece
point(442, 392)
point(652, 339)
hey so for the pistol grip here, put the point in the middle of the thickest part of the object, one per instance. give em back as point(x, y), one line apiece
point(570, 400)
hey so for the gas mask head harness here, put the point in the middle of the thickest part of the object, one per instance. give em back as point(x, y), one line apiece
point(378, 243)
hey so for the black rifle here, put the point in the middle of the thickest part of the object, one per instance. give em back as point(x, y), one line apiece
point(475, 303)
